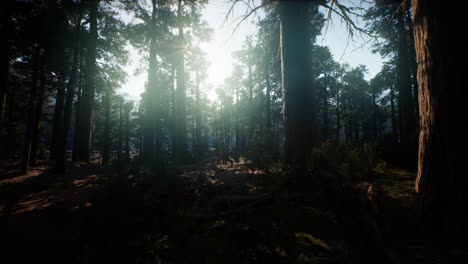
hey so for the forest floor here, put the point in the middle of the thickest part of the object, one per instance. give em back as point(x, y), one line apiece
point(205, 213)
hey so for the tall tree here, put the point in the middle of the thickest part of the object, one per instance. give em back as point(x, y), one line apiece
point(295, 48)
point(440, 187)
point(88, 94)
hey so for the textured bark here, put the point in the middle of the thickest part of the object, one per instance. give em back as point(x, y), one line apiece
point(441, 185)
point(58, 117)
point(87, 100)
point(297, 87)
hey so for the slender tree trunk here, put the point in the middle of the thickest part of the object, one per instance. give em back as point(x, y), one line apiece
point(295, 47)
point(238, 136)
point(76, 130)
point(325, 126)
point(106, 151)
point(441, 184)
point(197, 112)
point(268, 102)
point(127, 134)
point(39, 112)
point(120, 138)
point(173, 113)
point(152, 143)
point(395, 136)
point(250, 114)
point(5, 26)
point(337, 110)
point(30, 110)
point(405, 106)
point(61, 156)
point(87, 103)
point(181, 127)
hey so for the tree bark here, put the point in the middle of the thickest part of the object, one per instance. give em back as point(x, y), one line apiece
point(441, 185)
point(298, 106)
point(87, 100)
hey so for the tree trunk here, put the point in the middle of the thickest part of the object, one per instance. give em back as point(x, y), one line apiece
point(152, 133)
point(238, 136)
point(405, 106)
point(295, 48)
point(87, 100)
point(127, 134)
point(325, 124)
point(120, 137)
point(39, 111)
point(76, 129)
point(61, 156)
point(106, 151)
point(173, 113)
point(441, 185)
point(181, 127)
point(5, 20)
point(268, 102)
point(395, 137)
point(338, 121)
point(58, 116)
point(30, 117)
point(197, 112)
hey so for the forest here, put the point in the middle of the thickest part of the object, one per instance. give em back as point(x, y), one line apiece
point(295, 157)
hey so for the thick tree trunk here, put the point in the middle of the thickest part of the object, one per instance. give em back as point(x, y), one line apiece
point(298, 106)
point(441, 185)
point(87, 100)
